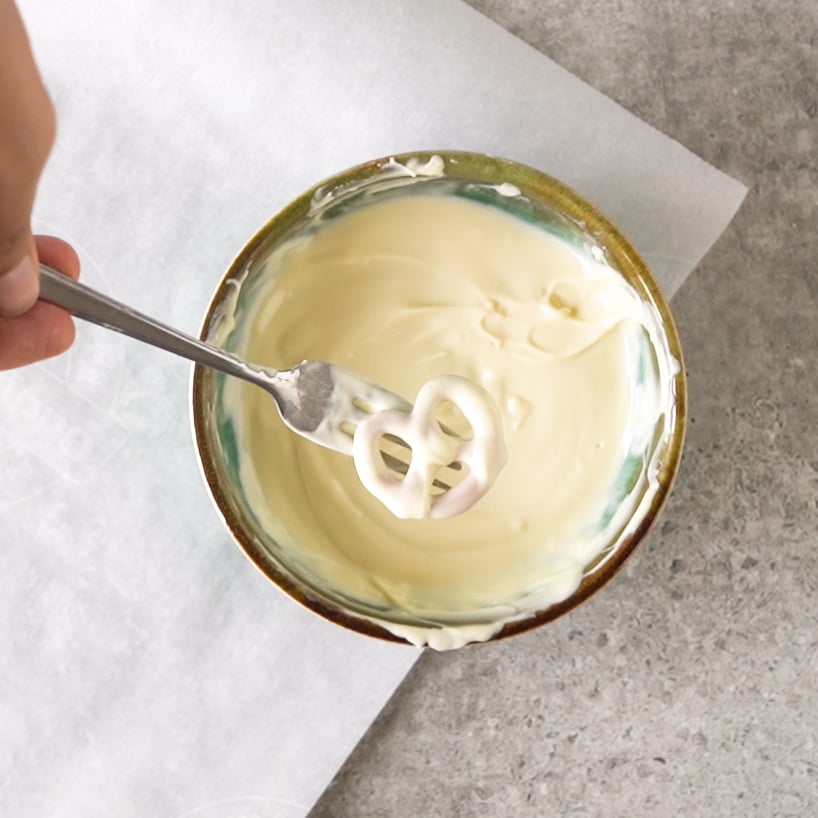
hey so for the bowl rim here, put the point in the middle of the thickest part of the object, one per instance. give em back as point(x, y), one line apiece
point(540, 187)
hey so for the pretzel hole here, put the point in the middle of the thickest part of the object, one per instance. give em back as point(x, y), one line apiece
point(452, 421)
point(396, 454)
point(447, 477)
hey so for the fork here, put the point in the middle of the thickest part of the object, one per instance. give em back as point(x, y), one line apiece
point(320, 401)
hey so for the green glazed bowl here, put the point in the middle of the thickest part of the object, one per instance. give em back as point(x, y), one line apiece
point(522, 191)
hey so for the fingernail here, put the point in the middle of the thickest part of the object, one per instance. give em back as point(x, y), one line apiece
point(19, 288)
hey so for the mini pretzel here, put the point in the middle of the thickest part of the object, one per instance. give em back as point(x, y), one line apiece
point(410, 497)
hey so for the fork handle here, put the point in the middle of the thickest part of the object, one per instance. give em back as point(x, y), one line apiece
point(91, 305)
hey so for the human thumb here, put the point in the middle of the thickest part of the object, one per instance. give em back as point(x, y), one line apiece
point(19, 286)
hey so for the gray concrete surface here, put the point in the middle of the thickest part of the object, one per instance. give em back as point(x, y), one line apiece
point(690, 685)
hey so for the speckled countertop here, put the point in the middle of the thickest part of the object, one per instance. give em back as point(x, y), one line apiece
point(688, 686)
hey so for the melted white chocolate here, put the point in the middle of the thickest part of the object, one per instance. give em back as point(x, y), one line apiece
point(418, 286)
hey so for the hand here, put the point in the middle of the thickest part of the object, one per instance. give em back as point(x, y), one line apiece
point(29, 330)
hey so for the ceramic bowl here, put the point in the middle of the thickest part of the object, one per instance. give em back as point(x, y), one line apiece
point(525, 193)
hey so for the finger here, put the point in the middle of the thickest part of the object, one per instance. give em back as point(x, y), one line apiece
point(58, 254)
point(20, 284)
point(27, 130)
point(19, 287)
point(44, 331)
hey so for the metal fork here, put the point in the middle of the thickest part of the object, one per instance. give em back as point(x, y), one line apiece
point(320, 401)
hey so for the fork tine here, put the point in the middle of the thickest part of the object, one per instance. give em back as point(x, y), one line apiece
point(330, 392)
point(399, 466)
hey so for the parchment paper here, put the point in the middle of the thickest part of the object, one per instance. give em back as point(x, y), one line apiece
point(146, 668)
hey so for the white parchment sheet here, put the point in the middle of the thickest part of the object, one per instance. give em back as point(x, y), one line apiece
point(146, 668)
